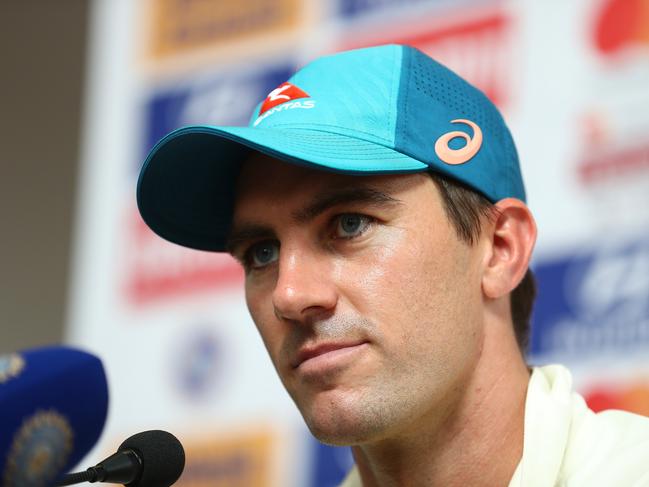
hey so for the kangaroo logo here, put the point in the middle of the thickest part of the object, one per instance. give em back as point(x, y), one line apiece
point(464, 154)
point(282, 94)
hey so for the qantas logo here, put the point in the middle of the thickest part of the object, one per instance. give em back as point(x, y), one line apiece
point(285, 97)
point(283, 93)
point(463, 154)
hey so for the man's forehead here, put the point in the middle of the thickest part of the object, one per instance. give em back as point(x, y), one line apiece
point(270, 189)
point(268, 178)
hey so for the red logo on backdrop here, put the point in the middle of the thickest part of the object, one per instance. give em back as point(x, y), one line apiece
point(622, 23)
point(283, 93)
point(633, 397)
point(609, 164)
point(156, 270)
point(477, 48)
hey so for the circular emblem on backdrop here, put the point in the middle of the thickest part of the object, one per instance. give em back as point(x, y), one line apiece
point(40, 448)
point(10, 366)
point(200, 364)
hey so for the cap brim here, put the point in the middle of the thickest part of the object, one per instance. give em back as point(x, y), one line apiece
point(185, 192)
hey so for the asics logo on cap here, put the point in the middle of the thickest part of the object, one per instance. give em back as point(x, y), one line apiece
point(464, 154)
point(281, 94)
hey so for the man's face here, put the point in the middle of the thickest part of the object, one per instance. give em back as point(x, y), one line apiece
point(368, 303)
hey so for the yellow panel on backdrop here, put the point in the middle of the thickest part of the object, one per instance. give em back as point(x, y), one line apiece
point(243, 459)
point(183, 26)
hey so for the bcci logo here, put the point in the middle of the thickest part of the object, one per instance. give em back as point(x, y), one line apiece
point(10, 366)
point(40, 449)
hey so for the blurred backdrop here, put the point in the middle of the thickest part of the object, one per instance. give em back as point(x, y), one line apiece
point(89, 87)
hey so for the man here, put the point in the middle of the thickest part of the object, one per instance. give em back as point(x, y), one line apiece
point(377, 206)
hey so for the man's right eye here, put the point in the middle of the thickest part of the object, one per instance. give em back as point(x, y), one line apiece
point(262, 254)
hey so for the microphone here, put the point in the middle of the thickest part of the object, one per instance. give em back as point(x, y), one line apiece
point(149, 459)
point(53, 405)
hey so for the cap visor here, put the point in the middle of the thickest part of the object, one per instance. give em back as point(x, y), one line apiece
point(186, 188)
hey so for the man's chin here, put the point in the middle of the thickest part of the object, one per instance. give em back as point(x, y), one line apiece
point(335, 435)
point(339, 420)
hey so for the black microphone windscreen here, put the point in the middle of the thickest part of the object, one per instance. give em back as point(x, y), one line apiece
point(163, 457)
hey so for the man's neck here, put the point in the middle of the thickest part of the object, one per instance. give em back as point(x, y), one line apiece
point(478, 443)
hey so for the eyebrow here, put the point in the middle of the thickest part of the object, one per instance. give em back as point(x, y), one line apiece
point(321, 203)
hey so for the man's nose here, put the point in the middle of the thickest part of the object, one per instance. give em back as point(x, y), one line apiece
point(305, 288)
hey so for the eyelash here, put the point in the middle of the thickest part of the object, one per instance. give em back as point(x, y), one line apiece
point(247, 258)
point(368, 222)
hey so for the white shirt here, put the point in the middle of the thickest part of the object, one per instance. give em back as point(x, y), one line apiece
point(568, 445)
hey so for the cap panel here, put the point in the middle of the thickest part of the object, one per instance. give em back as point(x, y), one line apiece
point(432, 101)
point(352, 93)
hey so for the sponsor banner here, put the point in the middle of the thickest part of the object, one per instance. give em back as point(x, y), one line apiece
point(478, 45)
point(357, 8)
point(612, 165)
point(583, 127)
point(225, 98)
point(612, 175)
point(629, 394)
point(621, 25)
point(181, 27)
point(200, 361)
point(614, 124)
point(602, 167)
point(244, 458)
point(330, 464)
point(593, 301)
point(154, 270)
point(353, 8)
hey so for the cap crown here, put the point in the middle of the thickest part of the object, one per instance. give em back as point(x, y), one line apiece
point(398, 97)
point(345, 99)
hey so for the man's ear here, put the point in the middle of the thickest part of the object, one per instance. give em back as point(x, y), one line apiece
point(511, 236)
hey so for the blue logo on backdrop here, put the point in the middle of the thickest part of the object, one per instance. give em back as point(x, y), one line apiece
point(226, 99)
point(331, 465)
point(593, 302)
point(199, 364)
point(354, 8)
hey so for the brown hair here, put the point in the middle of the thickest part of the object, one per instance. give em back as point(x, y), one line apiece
point(466, 208)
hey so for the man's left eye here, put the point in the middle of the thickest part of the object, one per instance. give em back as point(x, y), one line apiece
point(351, 225)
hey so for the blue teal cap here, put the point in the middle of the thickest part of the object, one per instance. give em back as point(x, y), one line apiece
point(378, 110)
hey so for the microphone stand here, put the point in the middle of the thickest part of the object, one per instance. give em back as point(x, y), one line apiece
point(122, 467)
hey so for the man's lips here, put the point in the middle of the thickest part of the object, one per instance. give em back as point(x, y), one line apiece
point(312, 351)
